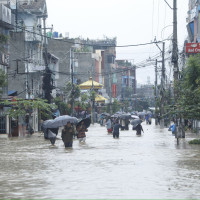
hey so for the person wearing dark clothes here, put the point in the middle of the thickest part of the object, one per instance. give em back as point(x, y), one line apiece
point(139, 129)
point(81, 129)
point(54, 130)
point(67, 135)
point(116, 128)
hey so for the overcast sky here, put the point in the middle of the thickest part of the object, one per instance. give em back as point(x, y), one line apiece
point(131, 21)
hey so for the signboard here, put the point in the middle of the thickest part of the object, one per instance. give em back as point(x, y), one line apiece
point(193, 48)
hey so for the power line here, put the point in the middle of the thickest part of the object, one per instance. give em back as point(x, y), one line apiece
point(93, 45)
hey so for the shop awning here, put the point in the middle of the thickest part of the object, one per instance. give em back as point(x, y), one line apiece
point(89, 84)
point(100, 98)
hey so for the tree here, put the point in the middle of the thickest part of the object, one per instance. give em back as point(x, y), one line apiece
point(3, 80)
point(116, 106)
point(142, 105)
point(62, 106)
point(72, 94)
point(19, 107)
point(187, 104)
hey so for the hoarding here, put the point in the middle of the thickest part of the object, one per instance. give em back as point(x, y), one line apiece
point(192, 48)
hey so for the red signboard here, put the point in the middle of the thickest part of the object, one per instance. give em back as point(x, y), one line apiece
point(193, 48)
point(114, 90)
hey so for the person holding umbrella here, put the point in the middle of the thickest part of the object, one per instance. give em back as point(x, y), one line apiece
point(82, 128)
point(67, 135)
point(139, 129)
point(137, 126)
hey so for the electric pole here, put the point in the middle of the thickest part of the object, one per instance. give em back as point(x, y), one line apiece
point(47, 87)
point(175, 44)
point(93, 100)
point(16, 15)
point(179, 126)
point(155, 90)
point(72, 78)
point(162, 87)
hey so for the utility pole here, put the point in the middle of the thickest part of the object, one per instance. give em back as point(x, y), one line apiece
point(92, 95)
point(175, 44)
point(47, 87)
point(179, 126)
point(155, 90)
point(110, 91)
point(162, 101)
point(16, 15)
point(162, 87)
point(72, 78)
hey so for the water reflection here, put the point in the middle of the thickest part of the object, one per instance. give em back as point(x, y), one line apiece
point(150, 166)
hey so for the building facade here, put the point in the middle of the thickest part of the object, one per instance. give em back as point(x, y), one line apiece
point(27, 49)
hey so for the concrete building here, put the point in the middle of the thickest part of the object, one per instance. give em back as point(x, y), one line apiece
point(193, 21)
point(126, 79)
point(26, 63)
point(27, 49)
point(62, 49)
point(6, 25)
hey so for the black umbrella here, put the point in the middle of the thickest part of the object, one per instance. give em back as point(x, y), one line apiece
point(59, 121)
point(115, 116)
point(135, 122)
point(87, 122)
point(105, 114)
point(125, 116)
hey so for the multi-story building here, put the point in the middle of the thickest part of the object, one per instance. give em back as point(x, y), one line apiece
point(193, 21)
point(126, 81)
point(27, 49)
point(6, 24)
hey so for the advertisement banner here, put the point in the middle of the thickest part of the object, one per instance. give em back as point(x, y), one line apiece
point(192, 48)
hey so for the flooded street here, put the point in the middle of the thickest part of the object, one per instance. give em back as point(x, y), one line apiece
point(151, 166)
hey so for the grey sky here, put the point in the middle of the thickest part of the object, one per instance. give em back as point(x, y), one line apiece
point(131, 21)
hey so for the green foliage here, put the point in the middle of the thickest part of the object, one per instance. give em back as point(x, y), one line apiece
point(3, 80)
point(142, 105)
point(188, 89)
point(72, 94)
point(93, 95)
point(116, 106)
point(192, 72)
point(84, 101)
point(62, 106)
point(195, 141)
point(3, 39)
point(20, 107)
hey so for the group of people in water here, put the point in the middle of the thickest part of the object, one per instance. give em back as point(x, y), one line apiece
point(71, 131)
point(68, 134)
point(113, 126)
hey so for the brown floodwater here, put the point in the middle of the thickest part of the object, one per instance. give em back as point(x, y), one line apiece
point(150, 166)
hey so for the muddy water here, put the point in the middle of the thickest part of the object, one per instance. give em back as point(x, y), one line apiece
point(150, 166)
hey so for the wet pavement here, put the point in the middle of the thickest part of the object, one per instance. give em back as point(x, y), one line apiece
point(146, 167)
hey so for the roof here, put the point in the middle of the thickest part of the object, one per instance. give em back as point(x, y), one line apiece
point(36, 6)
point(100, 98)
point(89, 84)
point(12, 93)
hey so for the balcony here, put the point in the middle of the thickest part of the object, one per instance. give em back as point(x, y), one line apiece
point(32, 67)
point(33, 36)
point(6, 17)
